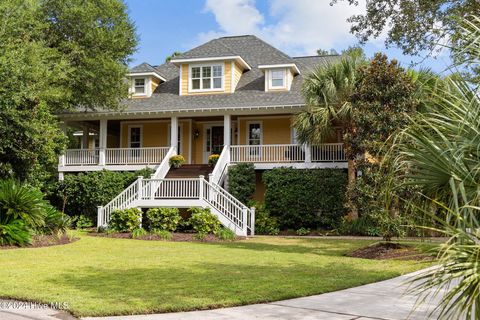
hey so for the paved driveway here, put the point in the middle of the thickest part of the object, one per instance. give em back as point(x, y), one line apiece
point(381, 301)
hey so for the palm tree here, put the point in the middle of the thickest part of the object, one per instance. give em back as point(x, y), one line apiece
point(327, 92)
point(440, 151)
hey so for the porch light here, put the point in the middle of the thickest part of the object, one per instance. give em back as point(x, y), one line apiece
point(196, 133)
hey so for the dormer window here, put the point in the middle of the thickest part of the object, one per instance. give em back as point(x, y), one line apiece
point(277, 79)
point(206, 78)
point(140, 86)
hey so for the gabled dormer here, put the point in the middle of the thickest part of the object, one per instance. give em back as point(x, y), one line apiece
point(279, 77)
point(209, 75)
point(143, 80)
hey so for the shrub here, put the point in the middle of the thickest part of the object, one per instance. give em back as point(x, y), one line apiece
point(264, 223)
point(163, 218)
point(213, 159)
point(138, 233)
point(203, 221)
point(55, 222)
point(80, 194)
point(125, 220)
point(305, 198)
point(84, 222)
point(226, 234)
point(176, 161)
point(162, 234)
point(363, 226)
point(241, 181)
point(303, 231)
point(15, 232)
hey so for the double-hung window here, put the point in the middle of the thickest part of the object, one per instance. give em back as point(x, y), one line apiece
point(277, 79)
point(254, 137)
point(206, 78)
point(139, 86)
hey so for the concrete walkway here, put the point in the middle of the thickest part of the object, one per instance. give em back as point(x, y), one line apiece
point(380, 301)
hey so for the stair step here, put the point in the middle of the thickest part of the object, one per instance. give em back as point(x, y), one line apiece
point(190, 171)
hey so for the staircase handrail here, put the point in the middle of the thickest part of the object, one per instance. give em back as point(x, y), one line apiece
point(221, 166)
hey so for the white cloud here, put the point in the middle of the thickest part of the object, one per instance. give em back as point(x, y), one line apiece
point(299, 27)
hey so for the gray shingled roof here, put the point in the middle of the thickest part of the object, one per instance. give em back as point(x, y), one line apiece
point(144, 67)
point(250, 90)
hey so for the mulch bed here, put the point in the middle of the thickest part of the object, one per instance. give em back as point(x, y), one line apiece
point(39, 241)
point(176, 237)
point(386, 251)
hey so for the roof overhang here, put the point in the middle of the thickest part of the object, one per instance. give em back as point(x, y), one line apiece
point(291, 66)
point(238, 59)
point(143, 74)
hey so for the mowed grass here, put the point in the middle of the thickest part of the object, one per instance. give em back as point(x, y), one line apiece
point(104, 276)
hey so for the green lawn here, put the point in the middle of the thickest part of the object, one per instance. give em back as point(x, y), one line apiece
point(104, 276)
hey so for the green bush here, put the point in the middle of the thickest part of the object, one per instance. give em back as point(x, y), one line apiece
point(203, 221)
point(363, 226)
point(264, 223)
point(303, 231)
point(55, 222)
point(225, 234)
point(241, 181)
point(138, 233)
point(162, 234)
point(80, 194)
point(84, 222)
point(125, 220)
point(15, 232)
point(163, 218)
point(305, 198)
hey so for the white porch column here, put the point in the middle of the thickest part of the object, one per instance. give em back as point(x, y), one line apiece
point(308, 153)
point(102, 140)
point(174, 132)
point(227, 130)
point(85, 137)
point(61, 158)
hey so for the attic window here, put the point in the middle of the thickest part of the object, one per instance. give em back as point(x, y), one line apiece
point(206, 78)
point(140, 86)
point(277, 78)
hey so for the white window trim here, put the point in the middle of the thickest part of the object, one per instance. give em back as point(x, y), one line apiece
point(190, 89)
point(130, 135)
point(270, 78)
point(148, 87)
point(247, 125)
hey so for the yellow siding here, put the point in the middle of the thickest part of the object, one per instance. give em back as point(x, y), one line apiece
point(185, 138)
point(274, 130)
point(197, 147)
point(227, 81)
point(237, 74)
point(155, 83)
point(155, 134)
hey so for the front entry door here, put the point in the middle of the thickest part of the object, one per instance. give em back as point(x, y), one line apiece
point(213, 141)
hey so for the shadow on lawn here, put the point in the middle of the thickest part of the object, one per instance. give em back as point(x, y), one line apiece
point(324, 247)
point(104, 291)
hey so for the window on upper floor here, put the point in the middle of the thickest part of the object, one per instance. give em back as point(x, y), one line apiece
point(206, 78)
point(139, 86)
point(277, 79)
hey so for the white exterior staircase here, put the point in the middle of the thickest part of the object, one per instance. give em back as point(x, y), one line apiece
point(158, 191)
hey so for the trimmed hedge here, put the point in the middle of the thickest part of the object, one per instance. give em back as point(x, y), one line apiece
point(80, 194)
point(305, 198)
point(241, 181)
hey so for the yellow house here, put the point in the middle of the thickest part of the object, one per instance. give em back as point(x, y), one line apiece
point(232, 96)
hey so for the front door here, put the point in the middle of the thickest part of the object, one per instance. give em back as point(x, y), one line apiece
point(213, 141)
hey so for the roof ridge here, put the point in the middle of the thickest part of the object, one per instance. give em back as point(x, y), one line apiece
point(317, 56)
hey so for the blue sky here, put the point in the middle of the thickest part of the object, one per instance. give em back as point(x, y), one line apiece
point(296, 27)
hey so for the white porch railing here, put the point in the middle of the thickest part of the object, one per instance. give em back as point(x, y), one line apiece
point(75, 157)
point(287, 153)
point(135, 155)
point(164, 166)
point(269, 153)
point(115, 156)
point(221, 167)
point(328, 152)
point(122, 201)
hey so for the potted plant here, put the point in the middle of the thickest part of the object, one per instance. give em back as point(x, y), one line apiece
point(212, 159)
point(176, 161)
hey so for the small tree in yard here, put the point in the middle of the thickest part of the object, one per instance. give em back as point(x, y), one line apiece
point(241, 181)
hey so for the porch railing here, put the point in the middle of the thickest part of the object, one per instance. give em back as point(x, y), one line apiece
point(287, 153)
point(115, 156)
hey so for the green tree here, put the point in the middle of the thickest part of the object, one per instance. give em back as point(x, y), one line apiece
point(173, 55)
point(56, 55)
point(323, 52)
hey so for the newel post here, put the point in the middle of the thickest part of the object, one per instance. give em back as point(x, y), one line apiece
point(152, 187)
point(252, 221)
point(99, 216)
point(200, 187)
point(245, 220)
point(140, 187)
